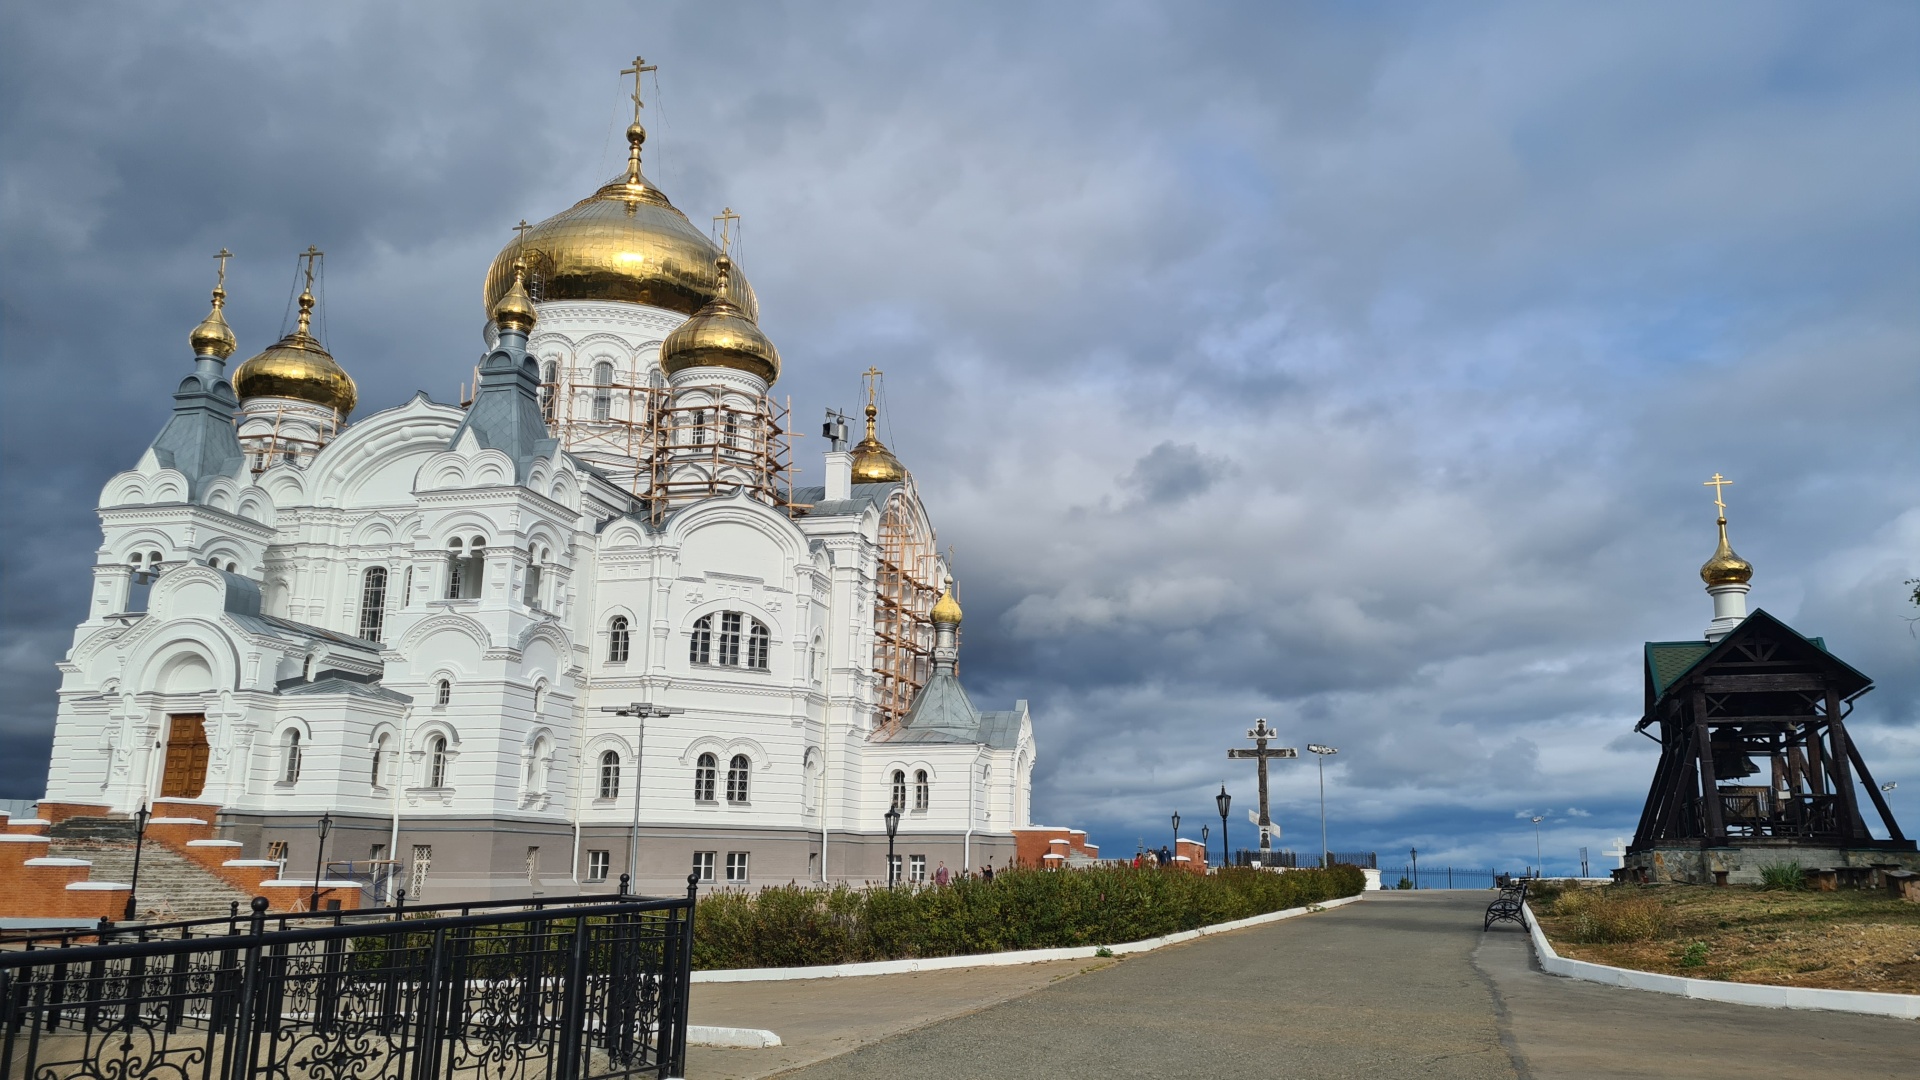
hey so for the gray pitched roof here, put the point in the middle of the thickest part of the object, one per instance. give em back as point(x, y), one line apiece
point(331, 683)
point(199, 438)
point(863, 496)
point(505, 414)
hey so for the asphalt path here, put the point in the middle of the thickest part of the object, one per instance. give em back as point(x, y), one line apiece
point(1400, 985)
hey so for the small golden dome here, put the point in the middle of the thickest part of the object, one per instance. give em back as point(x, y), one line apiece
point(873, 463)
point(721, 335)
point(515, 309)
point(213, 337)
point(1725, 568)
point(297, 367)
point(625, 242)
point(947, 611)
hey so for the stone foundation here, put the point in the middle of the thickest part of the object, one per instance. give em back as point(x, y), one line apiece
point(1742, 865)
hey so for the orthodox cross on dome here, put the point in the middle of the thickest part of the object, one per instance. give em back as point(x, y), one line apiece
point(638, 71)
point(1718, 483)
point(223, 257)
point(1260, 733)
point(872, 375)
point(520, 230)
point(307, 258)
point(724, 218)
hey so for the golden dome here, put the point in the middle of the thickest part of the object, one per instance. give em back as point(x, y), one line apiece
point(515, 309)
point(873, 463)
point(297, 367)
point(213, 337)
point(625, 242)
point(1726, 568)
point(721, 335)
point(947, 611)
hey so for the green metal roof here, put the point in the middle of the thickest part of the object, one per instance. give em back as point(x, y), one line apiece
point(1667, 661)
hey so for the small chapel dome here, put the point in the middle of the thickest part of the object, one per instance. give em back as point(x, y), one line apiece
point(946, 612)
point(298, 367)
point(213, 337)
point(515, 309)
point(722, 334)
point(1725, 568)
point(873, 463)
point(624, 242)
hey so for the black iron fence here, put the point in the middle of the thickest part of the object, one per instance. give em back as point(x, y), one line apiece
point(567, 990)
point(1440, 877)
point(1293, 860)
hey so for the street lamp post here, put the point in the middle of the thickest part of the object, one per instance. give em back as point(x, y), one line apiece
point(139, 841)
point(325, 826)
point(1414, 854)
point(1204, 849)
point(1176, 834)
point(1223, 801)
point(1322, 753)
point(641, 711)
point(1538, 870)
point(893, 829)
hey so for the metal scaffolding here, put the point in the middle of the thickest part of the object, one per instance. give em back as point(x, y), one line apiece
point(904, 595)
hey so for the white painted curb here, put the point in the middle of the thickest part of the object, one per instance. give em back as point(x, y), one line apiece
point(1903, 1006)
point(731, 1037)
point(1002, 959)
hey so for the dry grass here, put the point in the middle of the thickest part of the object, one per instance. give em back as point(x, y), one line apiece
point(1838, 940)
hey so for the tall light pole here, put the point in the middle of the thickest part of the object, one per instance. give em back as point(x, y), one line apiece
point(641, 711)
point(324, 827)
point(1176, 834)
point(892, 818)
point(1538, 870)
point(1322, 753)
point(139, 841)
point(1223, 801)
point(1204, 850)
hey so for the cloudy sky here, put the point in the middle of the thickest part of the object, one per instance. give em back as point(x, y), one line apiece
point(1355, 366)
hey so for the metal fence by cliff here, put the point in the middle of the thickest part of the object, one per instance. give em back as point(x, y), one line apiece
point(584, 991)
point(1293, 860)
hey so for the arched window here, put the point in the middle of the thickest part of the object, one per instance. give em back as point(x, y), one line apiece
point(729, 650)
point(700, 646)
point(549, 373)
point(703, 769)
point(406, 588)
point(466, 568)
point(290, 764)
point(618, 640)
point(379, 756)
point(437, 761)
point(602, 390)
point(899, 789)
point(759, 642)
point(373, 602)
point(443, 692)
point(536, 556)
point(730, 426)
point(737, 778)
point(698, 421)
point(922, 789)
point(610, 775)
point(536, 778)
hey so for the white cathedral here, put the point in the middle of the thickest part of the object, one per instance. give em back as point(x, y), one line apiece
point(581, 626)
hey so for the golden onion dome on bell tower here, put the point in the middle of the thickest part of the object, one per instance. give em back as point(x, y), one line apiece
point(213, 337)
point(1725, 568)
point(625, 242)
point(946, 612)
point(515, 309)
point(873, 463)
point(298, 366)
point(721, 335)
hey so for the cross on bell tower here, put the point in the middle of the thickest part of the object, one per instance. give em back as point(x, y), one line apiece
point(1260, 733)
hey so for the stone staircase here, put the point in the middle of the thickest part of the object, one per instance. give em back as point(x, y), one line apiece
point(171, 886)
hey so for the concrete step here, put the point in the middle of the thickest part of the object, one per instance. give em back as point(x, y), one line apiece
point(94, 828)
point(171, 885)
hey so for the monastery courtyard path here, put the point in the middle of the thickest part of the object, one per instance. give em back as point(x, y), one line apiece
point(1399, 985)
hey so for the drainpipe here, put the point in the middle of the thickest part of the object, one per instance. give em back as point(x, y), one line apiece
point(966, 848)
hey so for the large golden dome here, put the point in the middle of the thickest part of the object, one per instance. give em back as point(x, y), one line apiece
point(625, 242)
point(298, 367)
point(873, 463)
point(1725, 568)
point(721, 335)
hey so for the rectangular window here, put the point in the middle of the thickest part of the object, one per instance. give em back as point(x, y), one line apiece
point(917, 869)
point(533, 866)
point(277, 850)
point(729, 639)
point(373, 602)
point(893, 869)
point(422, 862)
point(598, 864)
point(377, 853)
point(533, 587)
point(703, 865)
point(736, 867)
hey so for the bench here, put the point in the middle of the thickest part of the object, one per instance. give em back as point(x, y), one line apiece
point(1509, 907)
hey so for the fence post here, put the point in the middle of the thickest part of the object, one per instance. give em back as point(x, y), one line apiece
point(682, 975)
point(573, 1006)
point(246, 1012)
point(426, 1037)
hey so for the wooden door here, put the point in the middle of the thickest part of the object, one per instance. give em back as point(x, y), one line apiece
point(186, 758)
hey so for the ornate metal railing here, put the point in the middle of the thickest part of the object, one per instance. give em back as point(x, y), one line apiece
point(578, 991)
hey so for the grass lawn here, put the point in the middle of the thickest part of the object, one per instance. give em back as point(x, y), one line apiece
point(1844, 940)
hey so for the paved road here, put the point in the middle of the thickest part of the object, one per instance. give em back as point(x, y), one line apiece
point(1401, 985)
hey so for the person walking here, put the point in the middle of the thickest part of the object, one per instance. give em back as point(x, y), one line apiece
point(941, 876)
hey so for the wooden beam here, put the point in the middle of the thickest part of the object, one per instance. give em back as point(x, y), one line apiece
point(1755, 684)
point(1723, 719)
point(1873, 792)
point(1709, 785)
point(1842, 779)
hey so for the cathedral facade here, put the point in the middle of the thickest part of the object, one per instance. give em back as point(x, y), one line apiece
point(579, 626)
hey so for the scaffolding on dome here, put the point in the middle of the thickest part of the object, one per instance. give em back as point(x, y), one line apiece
point(281, 446)
point(905, 591)
point(633, 432)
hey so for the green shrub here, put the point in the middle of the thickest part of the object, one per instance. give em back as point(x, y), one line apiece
point(1695, 955)
point(1783, 876)
point(792, 926)
point(1611, 915)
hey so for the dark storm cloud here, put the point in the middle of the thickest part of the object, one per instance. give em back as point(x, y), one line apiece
point(1353, 367)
